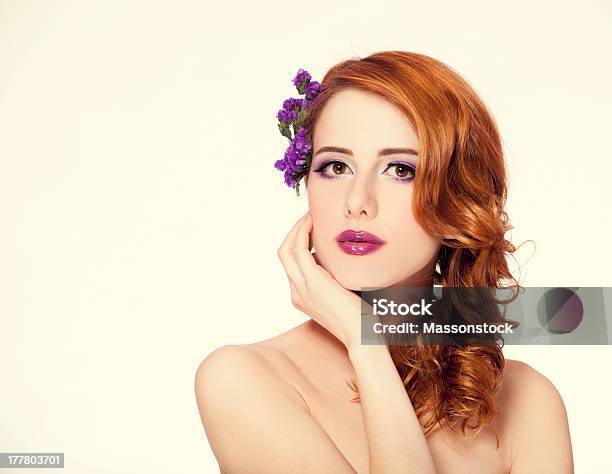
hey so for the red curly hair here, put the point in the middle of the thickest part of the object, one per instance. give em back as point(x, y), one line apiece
point(458, 196)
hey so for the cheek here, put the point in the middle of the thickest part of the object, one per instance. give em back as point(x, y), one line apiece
point(325, 205)
point(397, 209)
point(414, 248)
point(410, 238)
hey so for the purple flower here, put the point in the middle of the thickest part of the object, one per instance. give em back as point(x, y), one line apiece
point(312, 90)
point(301, 78)
point(290, 110)
point(301, 142)
point(293, 104)
point(295, 159)
point(280, 165)
point(297, 156)
point(289, 181)
point(286, 116)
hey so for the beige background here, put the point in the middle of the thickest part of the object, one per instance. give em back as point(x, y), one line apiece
point(142, 213)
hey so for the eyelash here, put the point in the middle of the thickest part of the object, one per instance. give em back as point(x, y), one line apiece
point(321, 169)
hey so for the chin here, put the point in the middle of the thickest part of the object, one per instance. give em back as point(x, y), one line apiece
point(357, 280)
point(359, 273)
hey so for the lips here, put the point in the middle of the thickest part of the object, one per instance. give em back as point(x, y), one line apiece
point(358, 236)
point(358, 242)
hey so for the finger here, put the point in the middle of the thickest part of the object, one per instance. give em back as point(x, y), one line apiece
point(291, 234)
point(310, 240)
point(296, 298)
point(302, 253)
point(287, 257)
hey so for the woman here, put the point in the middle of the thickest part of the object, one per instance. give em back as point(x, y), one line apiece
point(406, 154)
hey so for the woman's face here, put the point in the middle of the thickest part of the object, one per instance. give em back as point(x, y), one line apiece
point(365, 186)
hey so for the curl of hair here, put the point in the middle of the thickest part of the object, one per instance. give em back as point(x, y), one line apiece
point(459, 193)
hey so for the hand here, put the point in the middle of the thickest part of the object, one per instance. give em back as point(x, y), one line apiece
point(314, 291)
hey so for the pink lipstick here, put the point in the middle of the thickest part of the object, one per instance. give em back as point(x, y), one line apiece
point(358, 242)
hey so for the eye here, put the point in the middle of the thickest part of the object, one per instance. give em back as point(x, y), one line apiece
point(403, 171)
point(335, 168)
point(332, 169)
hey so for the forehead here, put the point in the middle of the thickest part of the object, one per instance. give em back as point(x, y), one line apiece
point(355, 117)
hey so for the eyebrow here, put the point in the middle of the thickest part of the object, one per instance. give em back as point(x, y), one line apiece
point(383, 152)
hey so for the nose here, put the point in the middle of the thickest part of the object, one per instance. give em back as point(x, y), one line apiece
point(360, 201)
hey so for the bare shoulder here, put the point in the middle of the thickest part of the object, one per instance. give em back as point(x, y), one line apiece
point(241, 367)
point(537, 420)
point(254, 420)
point(525, 387)
point(518, 372)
